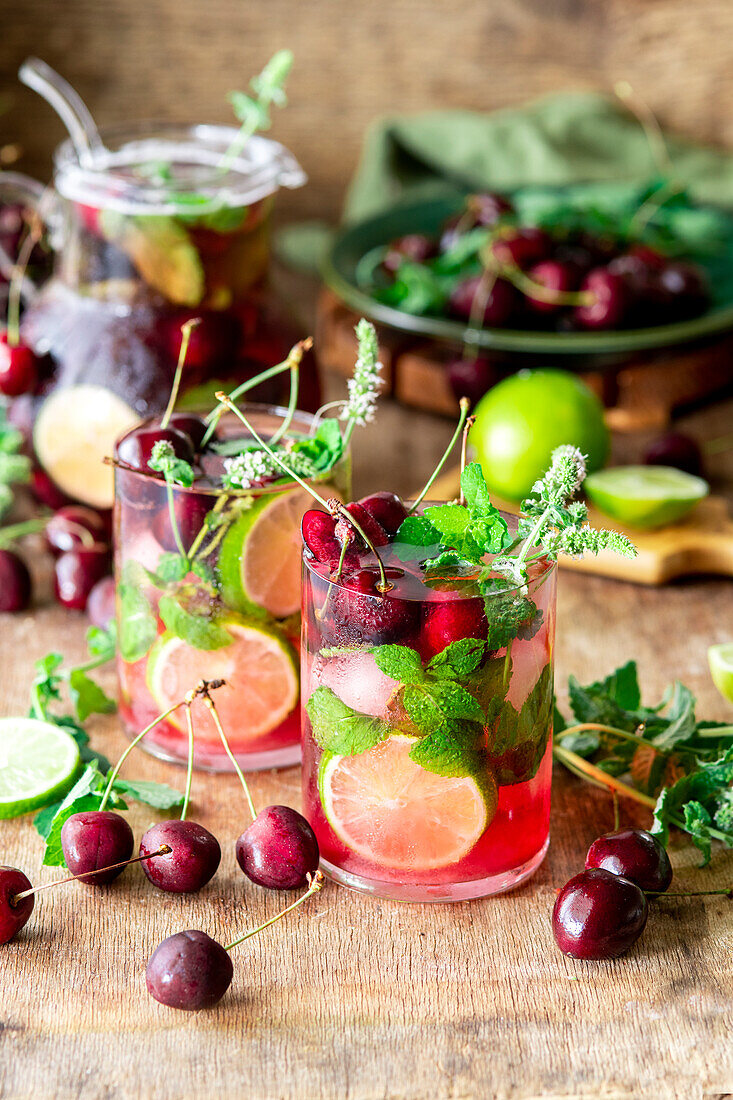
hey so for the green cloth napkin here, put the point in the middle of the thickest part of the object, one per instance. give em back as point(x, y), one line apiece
point(562, 138)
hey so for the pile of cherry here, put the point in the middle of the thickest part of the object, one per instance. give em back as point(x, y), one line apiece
point(615, 284)
point(602, 912)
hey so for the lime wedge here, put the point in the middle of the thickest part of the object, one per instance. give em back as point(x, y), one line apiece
point(259, 561)
point(396, 814)
point(720, 659)
point(260, 670)
point(37, 764)
point(645, 496)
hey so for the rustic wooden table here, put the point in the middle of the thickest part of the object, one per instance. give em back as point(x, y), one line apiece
point(356, 998)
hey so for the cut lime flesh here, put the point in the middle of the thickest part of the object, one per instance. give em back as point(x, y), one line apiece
point(645, 496)
point(38, 760)
point(720, 659)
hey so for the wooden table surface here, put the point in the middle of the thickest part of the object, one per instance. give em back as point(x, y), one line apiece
point(357, 998)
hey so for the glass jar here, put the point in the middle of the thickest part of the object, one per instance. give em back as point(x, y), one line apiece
point(208, 587)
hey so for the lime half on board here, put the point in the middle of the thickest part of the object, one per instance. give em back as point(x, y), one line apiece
point(720, 659)
point(645, 496)
point(38, 760)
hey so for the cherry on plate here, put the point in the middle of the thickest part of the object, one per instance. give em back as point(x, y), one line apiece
point(15, 582)
point(76, 572)
point(521, 247)
point(74, 526)
point(608, 307)
point(189, 971)
point(279, 849)
point(495, 308)
point(598, 915)
point(387, 509)
point(13, 916)
point(636, 855)
point(94, 839)
point(413, 246)
point(557, 278)
point(192, 861)
point(18, 368)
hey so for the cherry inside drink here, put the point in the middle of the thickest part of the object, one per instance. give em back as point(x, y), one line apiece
point(208, 587)
point(407, 803)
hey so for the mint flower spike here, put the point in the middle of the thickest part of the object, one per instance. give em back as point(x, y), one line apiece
point(246, 469)
point(364, 386)
point(564, 477)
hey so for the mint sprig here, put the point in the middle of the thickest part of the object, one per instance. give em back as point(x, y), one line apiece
point(164, 460)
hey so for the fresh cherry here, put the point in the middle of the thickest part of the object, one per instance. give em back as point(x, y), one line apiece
point(470, 378)
point(675, 449)
point(484, 209)
point(193, 860)
point(450, 620)
point(371, 527)
point(190, 509)
point(686, 287)
point(136, 448)
point(279, 849)
point(47, 491)
point(193, 426)
point(521, 247)
point(501, 301)
point(387, 509)
point(15, 582)
point(319, 535)
point(413, 246)
point(609, 300)
point(557, 278)
point(13, 915)
point(189, 971)
point(18, 368)
point(75, 526)
point(598, 915)
point(101, 607)
point(94, 839)
point(359, 613)
point(636, 855)
point(76, 572)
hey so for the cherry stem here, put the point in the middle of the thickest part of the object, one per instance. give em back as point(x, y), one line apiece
point(336, 507)
point(186, 330)
point(162, 851)
point(213, 417)
point(294, 359)
point(131, 746)
point(209, 702)
point(470, 421)
point(616, 811)
point(613, 731)
point(532, 289)
point(728, 893)
point(464, 406)
point(315, 883)
point(649, 124)
point(478, 306)
point(189, 767)
point(15, 531)
point(16, 280)
point(342, 556)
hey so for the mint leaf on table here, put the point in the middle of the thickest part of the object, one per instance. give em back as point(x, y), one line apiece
point(339, 729)
point(694, 803)
point(102, 643)
point(198, 631)
point(87, 696)
point(158, 795)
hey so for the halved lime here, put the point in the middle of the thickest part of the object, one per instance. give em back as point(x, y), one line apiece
point(396, 814)
point(259, 561)
point(645, 496)
point(261, 674)
point(37, 764)
point(720, 659)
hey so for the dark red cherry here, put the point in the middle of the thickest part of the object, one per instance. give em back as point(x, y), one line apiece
point(13, 915)
point(279, 849)
point(360, 614)
point(557, 278)
point(15, 582)
point(608, 306)
point(189, 971)
point(484, 209)
point(77, 571)
point(686, 287)
point(190, 510)
point(471, 378)
point(47, 491)
point(369, 525)
point(94, 839)
point(498, 305)
point(635, 854)
point(450, 620)
point(73, 526)
point(413, 246)
point(193, 426)
point(101, 607)
point(136, 448)
point(675, 449)
point(521, 247)
point(387, 509)
point(193, 860)
point(319, 535)
point(598, 915)
point(18, 368)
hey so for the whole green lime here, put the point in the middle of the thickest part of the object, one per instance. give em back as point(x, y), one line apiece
point(521, 421)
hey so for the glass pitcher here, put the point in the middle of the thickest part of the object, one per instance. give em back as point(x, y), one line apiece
point(159, 225)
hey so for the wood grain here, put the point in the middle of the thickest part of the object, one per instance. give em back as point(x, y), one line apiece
point(356, 999)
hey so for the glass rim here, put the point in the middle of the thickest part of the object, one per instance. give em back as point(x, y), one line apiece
point(309, 561)
point(259, 170)
point(263, 490)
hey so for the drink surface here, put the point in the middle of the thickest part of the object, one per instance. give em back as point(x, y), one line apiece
point(427, 721)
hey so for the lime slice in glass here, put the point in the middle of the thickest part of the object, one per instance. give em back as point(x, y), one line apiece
point(38, 761)
point(398, 815)
point(259, 561)
point(720, 659)
point(644, 496)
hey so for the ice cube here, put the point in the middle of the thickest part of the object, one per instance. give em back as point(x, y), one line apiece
point(357, 681)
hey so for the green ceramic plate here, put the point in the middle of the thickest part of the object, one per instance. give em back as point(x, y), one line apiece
point(355, 241)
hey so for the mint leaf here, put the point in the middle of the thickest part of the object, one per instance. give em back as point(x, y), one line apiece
point(450, 750)
point(400, 663)
point(459, 659)
point(138, 629)
point(88, 697)
point(198, 631)
point(475, 490)
point(102, 643)
point(704, 787)
point(520, 739)
point(158, 795)
point(440, 702)
point(510, 617)
point(86, 794)
point(164, 461)
point(171, 567)
point(414, 534)
point(340, 730)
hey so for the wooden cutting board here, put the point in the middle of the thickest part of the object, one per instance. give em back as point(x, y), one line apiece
point(700, 543)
